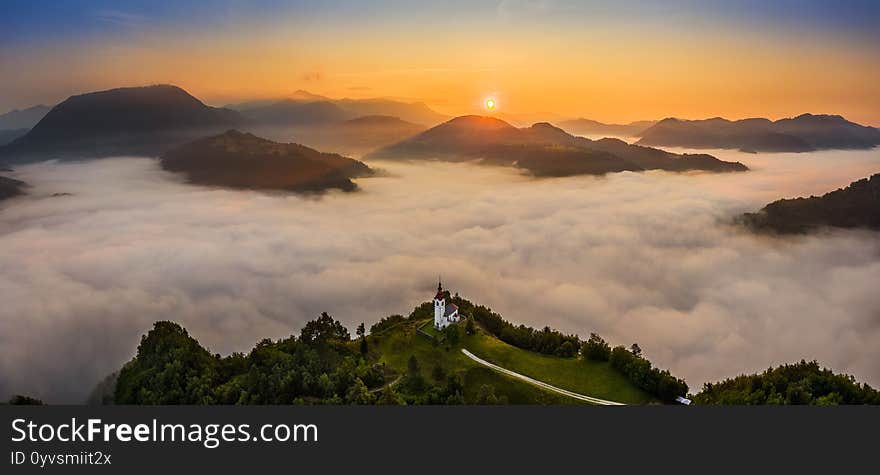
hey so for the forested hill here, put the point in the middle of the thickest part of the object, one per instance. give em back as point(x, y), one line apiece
point(856, 206)
point(403, 360)
point(799, 383)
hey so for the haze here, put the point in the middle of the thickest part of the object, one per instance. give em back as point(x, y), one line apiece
point(636, 257)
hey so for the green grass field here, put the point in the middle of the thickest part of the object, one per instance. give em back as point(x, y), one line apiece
point(574, 374)
point(395, 345)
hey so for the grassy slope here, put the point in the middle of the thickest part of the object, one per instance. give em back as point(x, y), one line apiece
point(395, 345)
point(574, 374)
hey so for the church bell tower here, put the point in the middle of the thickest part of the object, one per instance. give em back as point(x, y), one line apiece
point(439, 306)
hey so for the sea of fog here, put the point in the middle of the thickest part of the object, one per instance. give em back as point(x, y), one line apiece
point(637, 257)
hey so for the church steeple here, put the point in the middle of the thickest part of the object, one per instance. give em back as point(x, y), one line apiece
point(439, 295)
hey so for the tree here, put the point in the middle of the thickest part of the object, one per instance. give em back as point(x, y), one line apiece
point(454, 390)
point(19, 400)
point(486, 395)
point(437, 373)
point(566, 350)
point(452, 335)
point(412, 366)
point(361, 333)
point(469, 327)
point(414, 382)
point(324, 329)
point(390, 397)
point(596, 348)
point(636, 350)
point(358, 394)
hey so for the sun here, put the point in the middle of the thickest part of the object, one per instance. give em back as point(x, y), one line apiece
point(490, 104)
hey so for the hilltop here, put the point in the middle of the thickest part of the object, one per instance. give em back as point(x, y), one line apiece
point(856, 206)
point(124, 121)
point(542, 150)
point(401, 361)
point(242, 160)
point(804, 133)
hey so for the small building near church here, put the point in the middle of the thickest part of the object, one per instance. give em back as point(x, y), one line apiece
point(445, 313)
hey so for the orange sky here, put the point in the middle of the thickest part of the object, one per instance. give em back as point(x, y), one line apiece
point(609, 72)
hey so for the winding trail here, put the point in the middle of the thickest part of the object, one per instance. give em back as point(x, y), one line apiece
point(391, 384)
point(541, 384)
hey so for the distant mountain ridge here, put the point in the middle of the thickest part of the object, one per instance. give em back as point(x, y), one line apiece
point(804, 133)
point(23, 118)
point(583, 126)
point(241, 160)
point(542, 150)
point(132, 120)
point(305, 108)
point(8, 135)
point(856, 206)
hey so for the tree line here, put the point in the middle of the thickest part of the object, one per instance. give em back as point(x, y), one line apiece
point(799, 383)
point(632, 364)
point(317, 367)
point(545, 340)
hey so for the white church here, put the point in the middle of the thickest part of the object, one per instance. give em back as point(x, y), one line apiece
point(444, 314)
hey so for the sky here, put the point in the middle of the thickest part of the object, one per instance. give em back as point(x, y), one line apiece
point(611, 61)
point(650, 258)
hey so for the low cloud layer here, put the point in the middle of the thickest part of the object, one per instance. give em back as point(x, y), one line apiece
point(644, 258)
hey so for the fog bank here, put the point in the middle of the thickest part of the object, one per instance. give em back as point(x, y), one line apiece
point(636, 257)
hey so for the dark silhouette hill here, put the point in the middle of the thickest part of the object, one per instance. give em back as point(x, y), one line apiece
point(803, 133)
point(242, 160)
point(541, 149)
point(10, 187)
point(583, 126)
point(856, 206)
point(23, 118)
point(132, 120)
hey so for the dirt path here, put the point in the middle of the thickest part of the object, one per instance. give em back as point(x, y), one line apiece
point(541, 384)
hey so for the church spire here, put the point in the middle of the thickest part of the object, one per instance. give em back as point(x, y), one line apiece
point(439, 295)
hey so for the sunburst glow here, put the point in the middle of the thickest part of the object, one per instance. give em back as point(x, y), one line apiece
point(490, 104)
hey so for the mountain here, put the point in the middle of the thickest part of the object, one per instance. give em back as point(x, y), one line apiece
point(352, 137)
point(132, 120)
point(8, 135)
point(24, 118)
point(305, 108)
point(296, 112)
point(803, 133)
point(542, 150)
point(856, 206)
point(242, 160)
point(416, 112)
point(10, 187)
point(591, 127)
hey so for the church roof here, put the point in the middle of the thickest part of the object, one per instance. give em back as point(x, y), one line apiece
point(450, 309)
